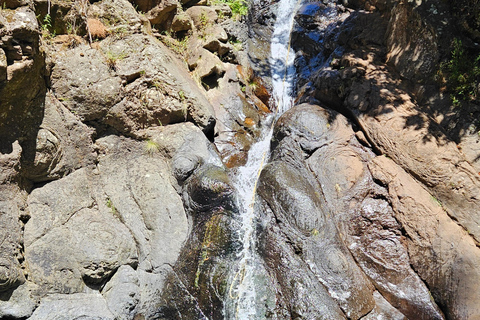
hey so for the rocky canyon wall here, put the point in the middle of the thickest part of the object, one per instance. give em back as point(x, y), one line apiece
point(117, 156)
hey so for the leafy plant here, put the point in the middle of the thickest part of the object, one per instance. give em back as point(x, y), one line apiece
point(47, 22)
point(461, 74)
point(239, 7)
point(181, 94)
point(46, 26)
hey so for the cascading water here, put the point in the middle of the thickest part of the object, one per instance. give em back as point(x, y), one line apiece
point(243, 289)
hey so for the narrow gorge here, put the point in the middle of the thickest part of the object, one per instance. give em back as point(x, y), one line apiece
point(239, 160)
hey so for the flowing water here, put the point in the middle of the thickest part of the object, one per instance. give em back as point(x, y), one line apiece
point(244, 289)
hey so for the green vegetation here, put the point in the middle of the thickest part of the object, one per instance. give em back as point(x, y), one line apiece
point(111, 206)
point(461, 74)
point(237, 44)
point(112, 58)
point(47, 22)
point(46, 26)
point(253, 84)
point(436, 201)
point(177, 46)
point(151, 147)
point(239, 7)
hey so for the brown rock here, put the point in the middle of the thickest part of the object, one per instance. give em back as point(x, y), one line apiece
point(412, 45)
point(202, 16)
point(442, 253)
point(182, 22)
point(162, 11)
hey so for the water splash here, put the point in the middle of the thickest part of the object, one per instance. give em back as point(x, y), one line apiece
point(283, 56)
point(244, 285)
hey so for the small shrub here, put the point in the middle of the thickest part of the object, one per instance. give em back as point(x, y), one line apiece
point(112, 58)
point(239, 7)
point(237, 44)
point(151, 147)
point(46, 26)
point(461, 74)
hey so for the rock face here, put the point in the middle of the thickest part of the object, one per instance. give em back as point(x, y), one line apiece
point(118, 162)
point(22, 89)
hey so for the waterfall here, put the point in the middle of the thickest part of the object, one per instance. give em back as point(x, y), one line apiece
point(245, 282)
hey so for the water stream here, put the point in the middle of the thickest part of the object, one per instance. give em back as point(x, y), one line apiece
point(245, 282)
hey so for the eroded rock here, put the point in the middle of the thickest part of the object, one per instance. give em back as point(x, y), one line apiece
point(63, 144)
point(22, 87)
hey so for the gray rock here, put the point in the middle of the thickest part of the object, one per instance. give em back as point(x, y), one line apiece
point(147, 204)
point(108, 213)
point(383, 310)
point(214, 33)
point(182, 22)
point(204, 63)
point(10, 164)
point(18, 303)
point(183, 140)
point(296, 204)
point(151, 287)
point(22, 84)
point(75, 306)
point(122, 293)
point(159, 90)
point(210, 202)
point(98, 245)
point(415, 51)
point(83, 81)
point(120, 16)
point(302, 294)
point(432, 234)
point(162, 11)
point(11, 205)
point(54, 204)
point(12, 4)
point(98, 242)
point(63, 145)
point(3, 66)
point(373, 235)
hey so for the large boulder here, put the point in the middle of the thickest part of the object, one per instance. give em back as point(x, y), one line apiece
point(338, 162)
point(84, 83)
point(435, 242)
point(123, 221)
point(129, 84)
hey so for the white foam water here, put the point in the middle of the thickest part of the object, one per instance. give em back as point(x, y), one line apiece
point(243, 288)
